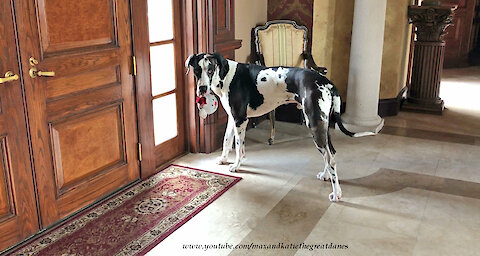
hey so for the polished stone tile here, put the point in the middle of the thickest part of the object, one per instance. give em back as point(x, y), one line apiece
point(449, 210)
point(363, 240)
point(450, 226)
point(446, 240)
point(460, 169)
point(398, 212)
point(293, 218)
point(410, 155)
point(430, 135)
point(412, 190)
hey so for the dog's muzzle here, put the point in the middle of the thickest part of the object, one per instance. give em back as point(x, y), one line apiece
point(202, 89)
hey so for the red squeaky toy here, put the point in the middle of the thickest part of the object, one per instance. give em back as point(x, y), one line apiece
point(207, 105)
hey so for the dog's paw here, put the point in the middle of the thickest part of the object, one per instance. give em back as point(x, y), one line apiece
point(322, 176)
point(233, 168)
point(335, 198)
point(221, 160)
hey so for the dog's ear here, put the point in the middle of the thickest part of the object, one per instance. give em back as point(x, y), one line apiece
point(223, 64)
point(189, 62)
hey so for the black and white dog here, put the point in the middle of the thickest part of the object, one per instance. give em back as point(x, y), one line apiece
point(248, 90)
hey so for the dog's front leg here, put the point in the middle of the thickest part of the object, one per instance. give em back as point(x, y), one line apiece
point(227, 141)
point(239, 148)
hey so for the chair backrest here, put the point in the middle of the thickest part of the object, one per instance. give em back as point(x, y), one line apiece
point(281, 42)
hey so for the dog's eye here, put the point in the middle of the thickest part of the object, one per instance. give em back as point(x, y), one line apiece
point(210, 71)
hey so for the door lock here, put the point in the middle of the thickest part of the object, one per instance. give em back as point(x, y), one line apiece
point(34, 72)
point(32, 61)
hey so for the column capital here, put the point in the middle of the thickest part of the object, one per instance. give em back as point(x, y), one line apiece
point(430, 21)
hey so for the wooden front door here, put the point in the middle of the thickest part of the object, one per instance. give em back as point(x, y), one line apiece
point(18, 215)
point(82, 117)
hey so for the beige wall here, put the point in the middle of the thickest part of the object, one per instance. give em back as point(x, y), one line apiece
point(248, 14)
point(332, 30)
point(331, 38)
point(396, 48)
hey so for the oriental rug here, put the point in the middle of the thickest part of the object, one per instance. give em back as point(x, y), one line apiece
point(135, 220)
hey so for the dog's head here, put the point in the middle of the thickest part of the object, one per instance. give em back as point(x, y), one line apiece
point(209, 69)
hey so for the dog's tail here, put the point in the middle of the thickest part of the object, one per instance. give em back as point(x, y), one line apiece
point(338, 119)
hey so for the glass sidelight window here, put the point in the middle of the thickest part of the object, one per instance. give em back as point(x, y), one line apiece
point(162, 61)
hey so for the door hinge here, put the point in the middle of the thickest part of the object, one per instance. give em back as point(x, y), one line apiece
point(140, 152)
point(134, 64)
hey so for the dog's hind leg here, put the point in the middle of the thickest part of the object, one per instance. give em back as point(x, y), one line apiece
point(336, 195)
point(239, 145)
point(323, 175)
point(320, 138)
point(316, 107)
point(227, 141)
point(311, 113)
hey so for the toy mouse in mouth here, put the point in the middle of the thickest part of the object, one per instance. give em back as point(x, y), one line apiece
point(207, 105)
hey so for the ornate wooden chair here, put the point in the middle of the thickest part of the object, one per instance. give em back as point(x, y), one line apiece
point(282, 43)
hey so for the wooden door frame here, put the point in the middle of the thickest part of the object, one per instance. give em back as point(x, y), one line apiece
point(198, 32)
point(205, 43)
point(190, 22)
point(202, 35)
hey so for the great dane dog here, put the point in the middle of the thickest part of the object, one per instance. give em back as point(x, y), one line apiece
point(248, 90)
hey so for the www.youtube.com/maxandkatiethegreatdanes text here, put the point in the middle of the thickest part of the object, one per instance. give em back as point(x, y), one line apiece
point(278, 246)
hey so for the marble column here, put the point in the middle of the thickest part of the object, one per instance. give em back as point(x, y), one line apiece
point(361, 113)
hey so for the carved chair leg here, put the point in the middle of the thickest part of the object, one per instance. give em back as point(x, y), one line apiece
point(271, 140)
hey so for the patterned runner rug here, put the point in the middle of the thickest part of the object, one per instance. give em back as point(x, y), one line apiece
point(135, 220)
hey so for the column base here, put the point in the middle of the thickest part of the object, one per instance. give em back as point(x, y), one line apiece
point(367, 126)
point(432, 108)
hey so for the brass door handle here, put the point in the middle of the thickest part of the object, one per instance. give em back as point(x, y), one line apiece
point(34, 72)
point(9, 76)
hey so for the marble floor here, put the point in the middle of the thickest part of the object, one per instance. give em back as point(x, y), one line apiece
point(413, 189)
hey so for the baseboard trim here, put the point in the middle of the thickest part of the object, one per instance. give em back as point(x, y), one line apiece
point(388, 107)
point(391, 107)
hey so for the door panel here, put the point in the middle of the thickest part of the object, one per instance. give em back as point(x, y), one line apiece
point(69, 85)
point(7, 206)
point(67, 25)
point(222, 13)
point(86, 147)
point(18, 215)
point(82, 120)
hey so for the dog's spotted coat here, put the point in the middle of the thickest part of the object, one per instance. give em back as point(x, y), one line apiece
point(248, 90)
